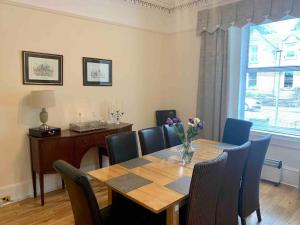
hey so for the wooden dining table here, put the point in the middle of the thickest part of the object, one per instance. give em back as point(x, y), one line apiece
point(158, 181)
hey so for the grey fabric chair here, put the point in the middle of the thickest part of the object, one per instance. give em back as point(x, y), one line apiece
point(152, 140)
point(122, 147)
point(204, 192)
point(227, 209)
point(236, 132)
point(249, 192)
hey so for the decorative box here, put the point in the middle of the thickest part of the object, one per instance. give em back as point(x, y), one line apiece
point(37, 132)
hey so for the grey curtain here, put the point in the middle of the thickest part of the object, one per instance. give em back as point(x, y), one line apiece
point(213, 79)
point(246, 11)
point(213, 27)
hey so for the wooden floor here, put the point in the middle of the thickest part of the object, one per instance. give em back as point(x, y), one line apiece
point(280, 206)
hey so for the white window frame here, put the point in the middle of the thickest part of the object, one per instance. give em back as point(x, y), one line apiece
point(244, 69)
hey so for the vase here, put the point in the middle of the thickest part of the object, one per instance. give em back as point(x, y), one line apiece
point(186, 153)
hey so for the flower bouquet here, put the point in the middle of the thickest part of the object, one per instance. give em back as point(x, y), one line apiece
point(195, 125)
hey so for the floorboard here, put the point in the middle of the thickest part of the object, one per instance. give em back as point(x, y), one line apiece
point(279, 206)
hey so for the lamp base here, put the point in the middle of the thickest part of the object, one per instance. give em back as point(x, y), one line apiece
point(44, 127)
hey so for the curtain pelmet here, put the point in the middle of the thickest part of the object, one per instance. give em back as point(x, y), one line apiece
point(246, 11)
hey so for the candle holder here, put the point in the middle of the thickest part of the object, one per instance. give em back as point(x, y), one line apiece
point(116, 116)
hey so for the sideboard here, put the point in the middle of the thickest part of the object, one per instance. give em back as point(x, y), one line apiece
point(69, 146)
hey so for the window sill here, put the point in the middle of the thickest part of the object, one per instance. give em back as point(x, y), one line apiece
point(278, 139)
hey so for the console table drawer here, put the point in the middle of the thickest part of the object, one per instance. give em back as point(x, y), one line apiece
point(56, 149)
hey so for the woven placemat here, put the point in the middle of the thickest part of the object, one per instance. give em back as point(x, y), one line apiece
point(181, 185)
point(128, 182)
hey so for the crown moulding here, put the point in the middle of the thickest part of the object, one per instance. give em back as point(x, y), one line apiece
point(171, 7)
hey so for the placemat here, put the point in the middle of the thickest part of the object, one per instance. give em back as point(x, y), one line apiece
point(128, 182)
point(164, 154)
point(133, 163)
point(181, 185)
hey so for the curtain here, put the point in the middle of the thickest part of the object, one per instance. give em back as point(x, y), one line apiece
point(246, 11)
point(213, 27)
point(212, 89)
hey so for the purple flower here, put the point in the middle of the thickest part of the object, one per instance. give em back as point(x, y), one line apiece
point(173, 121)
point(200, 126)
point(170, 122)
point(176, 120)
point(191, 120)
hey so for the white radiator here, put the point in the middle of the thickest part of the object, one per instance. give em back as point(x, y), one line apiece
point(272, 171)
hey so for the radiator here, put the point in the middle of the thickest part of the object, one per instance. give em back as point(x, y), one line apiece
point(272, 171)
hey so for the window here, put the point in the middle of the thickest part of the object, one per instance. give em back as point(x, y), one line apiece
point(252, 80)
point(270, 93)
point(254, 54)
point(288, 79)
point(290, 54)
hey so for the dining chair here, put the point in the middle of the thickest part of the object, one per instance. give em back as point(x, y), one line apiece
point(83, 201)
point(227, 208)
point(236, 132)
point(163, 115)
point(249, 191)
point(152, 140)
point(170, 136)
point(122, 147)
point(204, 192)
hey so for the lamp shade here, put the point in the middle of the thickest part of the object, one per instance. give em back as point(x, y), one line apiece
point(42, 99)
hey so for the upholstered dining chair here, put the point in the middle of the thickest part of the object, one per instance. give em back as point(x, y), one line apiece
point(227, 208)
point(249, 192)
point(204, 192)
point(122, 147)
point(83, 201)
point(170, 136)
point(236, 132)
point(163, 115)
point(152, 140)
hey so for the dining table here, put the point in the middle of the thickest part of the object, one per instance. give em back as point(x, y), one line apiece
point(158, 181)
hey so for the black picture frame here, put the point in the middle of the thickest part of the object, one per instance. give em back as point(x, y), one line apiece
point(97, 80)
point(31, 78)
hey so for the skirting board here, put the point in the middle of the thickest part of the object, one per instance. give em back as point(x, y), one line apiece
point(23, 190)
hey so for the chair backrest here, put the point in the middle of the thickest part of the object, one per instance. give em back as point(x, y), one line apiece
point(163, 115)
point(236, 132)
point(227, 208)
point(84, 204)
point(122, 147)
point(171, 137)
point(152, 140)
point(249, 192)
point(204, 191)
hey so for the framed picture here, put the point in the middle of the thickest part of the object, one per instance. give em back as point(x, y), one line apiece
point(97, 72)
point(42, 68)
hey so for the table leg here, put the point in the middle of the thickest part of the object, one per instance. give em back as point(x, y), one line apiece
point(100, 156)
point(41, 176)
point(33, 182)
point(109, 193)
point(173, 215)
point(62, 183)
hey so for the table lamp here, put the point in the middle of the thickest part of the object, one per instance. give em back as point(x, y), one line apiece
point(43, 99)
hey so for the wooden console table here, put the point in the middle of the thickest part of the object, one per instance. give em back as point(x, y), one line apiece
point(69, 146)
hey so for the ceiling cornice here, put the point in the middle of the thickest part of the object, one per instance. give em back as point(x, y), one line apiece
point(169, 8)
point(165, 16)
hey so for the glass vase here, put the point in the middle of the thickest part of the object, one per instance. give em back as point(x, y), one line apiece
point(186, 153)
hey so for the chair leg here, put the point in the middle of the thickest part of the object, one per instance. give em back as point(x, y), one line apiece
point(258, 214)
point(243, 220)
